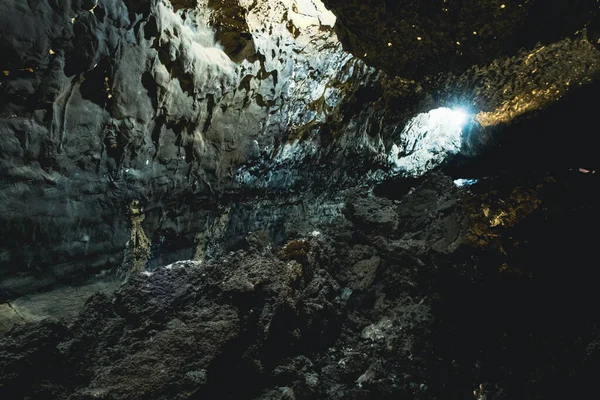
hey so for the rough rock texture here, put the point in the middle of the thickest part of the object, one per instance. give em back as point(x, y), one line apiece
point(132, 102)
point(331, 252)
point(450, 298)
point(414, 39)
point(138, 133)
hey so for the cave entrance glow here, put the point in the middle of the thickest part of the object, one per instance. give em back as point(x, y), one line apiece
point(428, 139)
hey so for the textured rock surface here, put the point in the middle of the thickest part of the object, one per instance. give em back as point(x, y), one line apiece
point(414, 39)
point(134, 102)
point(361, 309)
point(131, 138)
point(328, 260)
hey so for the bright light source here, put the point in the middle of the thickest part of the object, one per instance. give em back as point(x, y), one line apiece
point(459, 116)
point(464, 182)
point(428, 139)
point(311, 12)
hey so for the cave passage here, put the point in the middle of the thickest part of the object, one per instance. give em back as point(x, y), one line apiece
point(298, 199)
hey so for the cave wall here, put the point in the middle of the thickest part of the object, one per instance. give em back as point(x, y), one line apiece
point(127, 102)
point(328, 262)
point(137, 133)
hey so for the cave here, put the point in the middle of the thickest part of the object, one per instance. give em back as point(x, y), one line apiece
point(299, 199)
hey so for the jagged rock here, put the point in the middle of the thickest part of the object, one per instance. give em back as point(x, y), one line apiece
point(232, 31)
point(139, 103)
point(372, 213)
point(183, 327)
point(333, 255)
point(31, 358)
point(424, 323)
point(106, 103)
point(413, 39)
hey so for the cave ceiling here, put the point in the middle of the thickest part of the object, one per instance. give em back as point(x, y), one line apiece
point(299, 199)
point(418, 38)
point(140, 123)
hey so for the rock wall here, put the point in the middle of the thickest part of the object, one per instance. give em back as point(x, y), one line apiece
point(210, 115)
point(134, 101)
point(350, 236)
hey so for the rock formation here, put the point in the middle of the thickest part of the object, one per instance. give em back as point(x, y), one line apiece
point(297, 199)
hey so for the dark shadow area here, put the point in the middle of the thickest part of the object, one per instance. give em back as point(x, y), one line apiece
point(523, 315)
point(558, 138)
point(525, 319)
point(95, 84)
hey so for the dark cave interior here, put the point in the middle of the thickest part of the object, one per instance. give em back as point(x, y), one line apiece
point(254, 199)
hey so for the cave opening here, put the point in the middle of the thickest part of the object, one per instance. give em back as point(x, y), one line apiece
point(325, 199)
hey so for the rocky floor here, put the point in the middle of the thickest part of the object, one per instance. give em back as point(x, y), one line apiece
point(62, 301)
point(431, 291)
point(256, 138)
